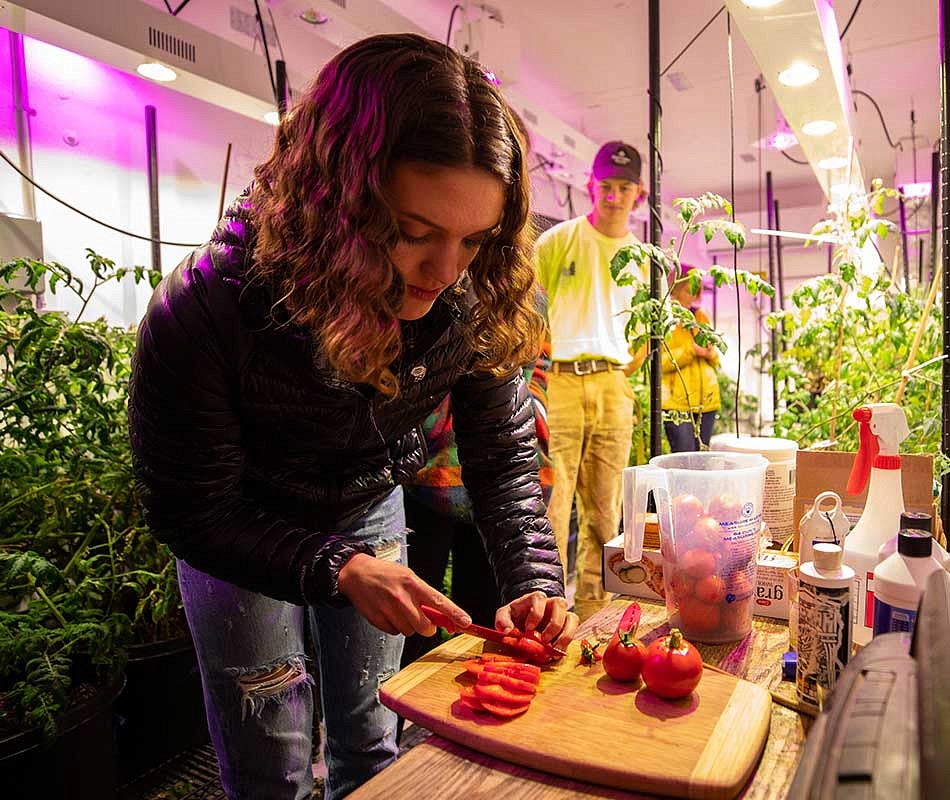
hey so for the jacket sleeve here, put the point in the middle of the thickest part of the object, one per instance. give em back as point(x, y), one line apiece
point(680, 348)
point(186, 438)
point(495, 433)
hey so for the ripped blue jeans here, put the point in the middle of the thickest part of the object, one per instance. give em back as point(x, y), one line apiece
point(257, 691)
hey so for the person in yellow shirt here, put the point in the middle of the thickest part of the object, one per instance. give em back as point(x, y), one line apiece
point(690, 382)
point(590, 402)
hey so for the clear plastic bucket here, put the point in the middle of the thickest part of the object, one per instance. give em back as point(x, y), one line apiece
point(709, 506)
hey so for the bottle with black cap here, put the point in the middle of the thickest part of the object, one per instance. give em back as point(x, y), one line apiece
point(899, 581)
point(919, 521)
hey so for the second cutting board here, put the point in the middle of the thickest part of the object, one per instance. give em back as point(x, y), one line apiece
point(585, 726)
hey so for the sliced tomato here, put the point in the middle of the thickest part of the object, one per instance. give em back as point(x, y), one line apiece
point(507, 681)
point(492, 658)
point(525, 672)
point(500, 710)
point(468, 698)
point(474, 666)
point(494, 693)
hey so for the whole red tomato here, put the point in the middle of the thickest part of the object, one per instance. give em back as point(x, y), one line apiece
point(725, 508)
point(623, 658)
point(673, 667)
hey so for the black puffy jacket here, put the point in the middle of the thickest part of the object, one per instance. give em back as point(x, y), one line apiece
point(252, 454)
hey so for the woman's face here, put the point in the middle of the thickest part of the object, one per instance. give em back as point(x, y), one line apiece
point(444, 214)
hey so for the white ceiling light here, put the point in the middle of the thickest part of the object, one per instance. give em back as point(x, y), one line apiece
point(272, 118)
point(760, 3)
point(833, 162)
point(156, 72)
point(819, 127)
point(800, 73)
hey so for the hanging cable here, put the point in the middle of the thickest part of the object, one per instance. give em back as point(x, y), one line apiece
point(690, 43)
point(270, 68)
point(448, 35)
point(280, 47)
point(844, 30)
point(891, 142)
point(181, 5)
point(90, 217)
point(793, 159)
point(732, 200)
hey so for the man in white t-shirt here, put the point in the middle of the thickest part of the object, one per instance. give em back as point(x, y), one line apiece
point(590, 402)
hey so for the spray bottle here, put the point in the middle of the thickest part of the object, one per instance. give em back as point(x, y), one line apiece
point(883, 427)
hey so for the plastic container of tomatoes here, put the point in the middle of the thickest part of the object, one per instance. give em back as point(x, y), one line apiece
point(709, 509)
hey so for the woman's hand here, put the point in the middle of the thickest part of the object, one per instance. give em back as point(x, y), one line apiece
point(536, 611)
point(389, 595)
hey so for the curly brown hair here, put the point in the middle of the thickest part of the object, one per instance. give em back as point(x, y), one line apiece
point(325, 230)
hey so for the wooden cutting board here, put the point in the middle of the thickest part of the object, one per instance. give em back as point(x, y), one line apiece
point(585, 726)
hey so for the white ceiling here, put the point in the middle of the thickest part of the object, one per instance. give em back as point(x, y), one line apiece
point(587, 63)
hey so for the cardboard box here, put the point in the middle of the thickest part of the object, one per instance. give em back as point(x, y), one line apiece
point(828, 470)
point(645, 578)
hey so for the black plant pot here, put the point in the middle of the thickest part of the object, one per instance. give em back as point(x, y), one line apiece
point(161, 713)
point(79, 764)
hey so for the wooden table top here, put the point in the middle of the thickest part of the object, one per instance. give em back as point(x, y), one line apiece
point(438, 768)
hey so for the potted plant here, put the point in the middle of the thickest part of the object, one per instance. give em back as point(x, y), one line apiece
point(854, 336)
point(81, 579)
point(652, 320)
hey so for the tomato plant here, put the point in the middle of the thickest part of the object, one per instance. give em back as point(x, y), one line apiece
point(673, 667)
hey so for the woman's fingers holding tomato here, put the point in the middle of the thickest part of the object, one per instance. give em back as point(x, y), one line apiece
point(524, 613)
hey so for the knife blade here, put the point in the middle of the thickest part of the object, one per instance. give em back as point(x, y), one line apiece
point(492, 635)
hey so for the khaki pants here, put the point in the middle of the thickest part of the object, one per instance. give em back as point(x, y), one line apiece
point(591, 423)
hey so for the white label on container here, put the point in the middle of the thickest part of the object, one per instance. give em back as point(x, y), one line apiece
point(778, 505)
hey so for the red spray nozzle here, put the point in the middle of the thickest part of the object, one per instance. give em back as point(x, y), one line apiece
point(868, 448)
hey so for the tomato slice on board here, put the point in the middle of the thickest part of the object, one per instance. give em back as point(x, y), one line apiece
point(494, 693)
point(500, 710)
point(491, 658)
point(509, 682)
point(468, 698)
point(524, 672)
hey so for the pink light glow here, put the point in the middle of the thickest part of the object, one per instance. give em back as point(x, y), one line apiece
point(781, 140)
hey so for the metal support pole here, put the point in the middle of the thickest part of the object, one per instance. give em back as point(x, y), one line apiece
point(934, 209)
point(773, 338)
point(280, 72)
point(780, 273)
point(657, 278)
point(151, 146)
point(905, 255)
point(945, 256)
point(715, 296)
point(21, 113)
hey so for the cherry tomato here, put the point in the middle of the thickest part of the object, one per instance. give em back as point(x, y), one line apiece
point(707, 534)
point(623, 658)
point(687, 508)
point(673, 667)
point(698, 563)
point(680, 586)
point(710, 589)
point(725, 508)
point(699, 617)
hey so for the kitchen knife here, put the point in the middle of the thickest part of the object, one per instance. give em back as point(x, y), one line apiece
point(492, 635)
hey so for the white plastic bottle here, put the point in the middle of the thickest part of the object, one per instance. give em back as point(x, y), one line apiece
point(899, 581)
point(824, 623)
point(778, 501)
point(883, 427)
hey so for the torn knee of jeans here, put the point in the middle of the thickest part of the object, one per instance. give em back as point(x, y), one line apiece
point(381, 677)
point(273, 682)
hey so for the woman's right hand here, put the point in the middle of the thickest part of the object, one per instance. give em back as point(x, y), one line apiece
point(388, 595)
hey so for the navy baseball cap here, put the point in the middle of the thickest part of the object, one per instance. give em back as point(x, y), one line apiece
point(617, 159)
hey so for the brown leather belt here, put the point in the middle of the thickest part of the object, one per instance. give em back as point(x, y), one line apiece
point(587, 366)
